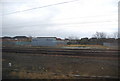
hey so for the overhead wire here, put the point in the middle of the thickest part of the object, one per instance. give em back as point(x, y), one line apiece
point(58, 19)
point(71, 18)
point(41, 7)
point(54, 24)
point(85, 17)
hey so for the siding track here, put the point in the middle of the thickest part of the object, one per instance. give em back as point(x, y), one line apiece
point(63, 51)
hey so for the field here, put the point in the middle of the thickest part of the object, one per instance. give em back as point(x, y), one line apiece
point(59, 63)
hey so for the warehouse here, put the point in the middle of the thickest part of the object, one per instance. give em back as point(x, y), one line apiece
point(47, 41)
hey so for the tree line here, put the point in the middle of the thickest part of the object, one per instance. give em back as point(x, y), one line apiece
point(97, 39)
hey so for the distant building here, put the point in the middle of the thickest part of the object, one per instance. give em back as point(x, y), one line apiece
point(115, 45)
point(7, 38)
point(17, 40)
point(47, 41)
point(61, 42)
point(6, 41)
point(29, 41)
point(21, 38)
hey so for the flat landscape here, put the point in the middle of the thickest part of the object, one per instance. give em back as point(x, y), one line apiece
point(59, 63)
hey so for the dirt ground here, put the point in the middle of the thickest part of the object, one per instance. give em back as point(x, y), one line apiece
point(37, 66)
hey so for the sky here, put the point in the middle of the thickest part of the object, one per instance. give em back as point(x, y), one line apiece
point(59, 18)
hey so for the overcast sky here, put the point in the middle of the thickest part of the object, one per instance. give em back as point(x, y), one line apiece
point(80, 18)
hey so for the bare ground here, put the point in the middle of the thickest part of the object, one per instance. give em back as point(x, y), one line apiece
point(39, 66)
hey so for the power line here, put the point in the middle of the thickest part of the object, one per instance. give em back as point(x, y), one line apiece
point(64, 23)
point(84, 17)
point(71, 18)
point(41, 7)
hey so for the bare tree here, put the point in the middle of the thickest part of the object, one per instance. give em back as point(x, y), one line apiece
point(116, 35)
point(99, 35)
point(73, 38)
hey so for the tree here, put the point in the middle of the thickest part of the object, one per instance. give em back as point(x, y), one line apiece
point(116, 35)
point(84, 41)
point(73, 38)
point(99, 35)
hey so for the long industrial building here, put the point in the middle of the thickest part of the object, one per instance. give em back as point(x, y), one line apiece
point(47, 41)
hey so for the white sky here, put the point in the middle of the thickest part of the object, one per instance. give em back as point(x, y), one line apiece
point(81, 18)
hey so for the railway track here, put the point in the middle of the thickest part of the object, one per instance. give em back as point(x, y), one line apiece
point(63, 51)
